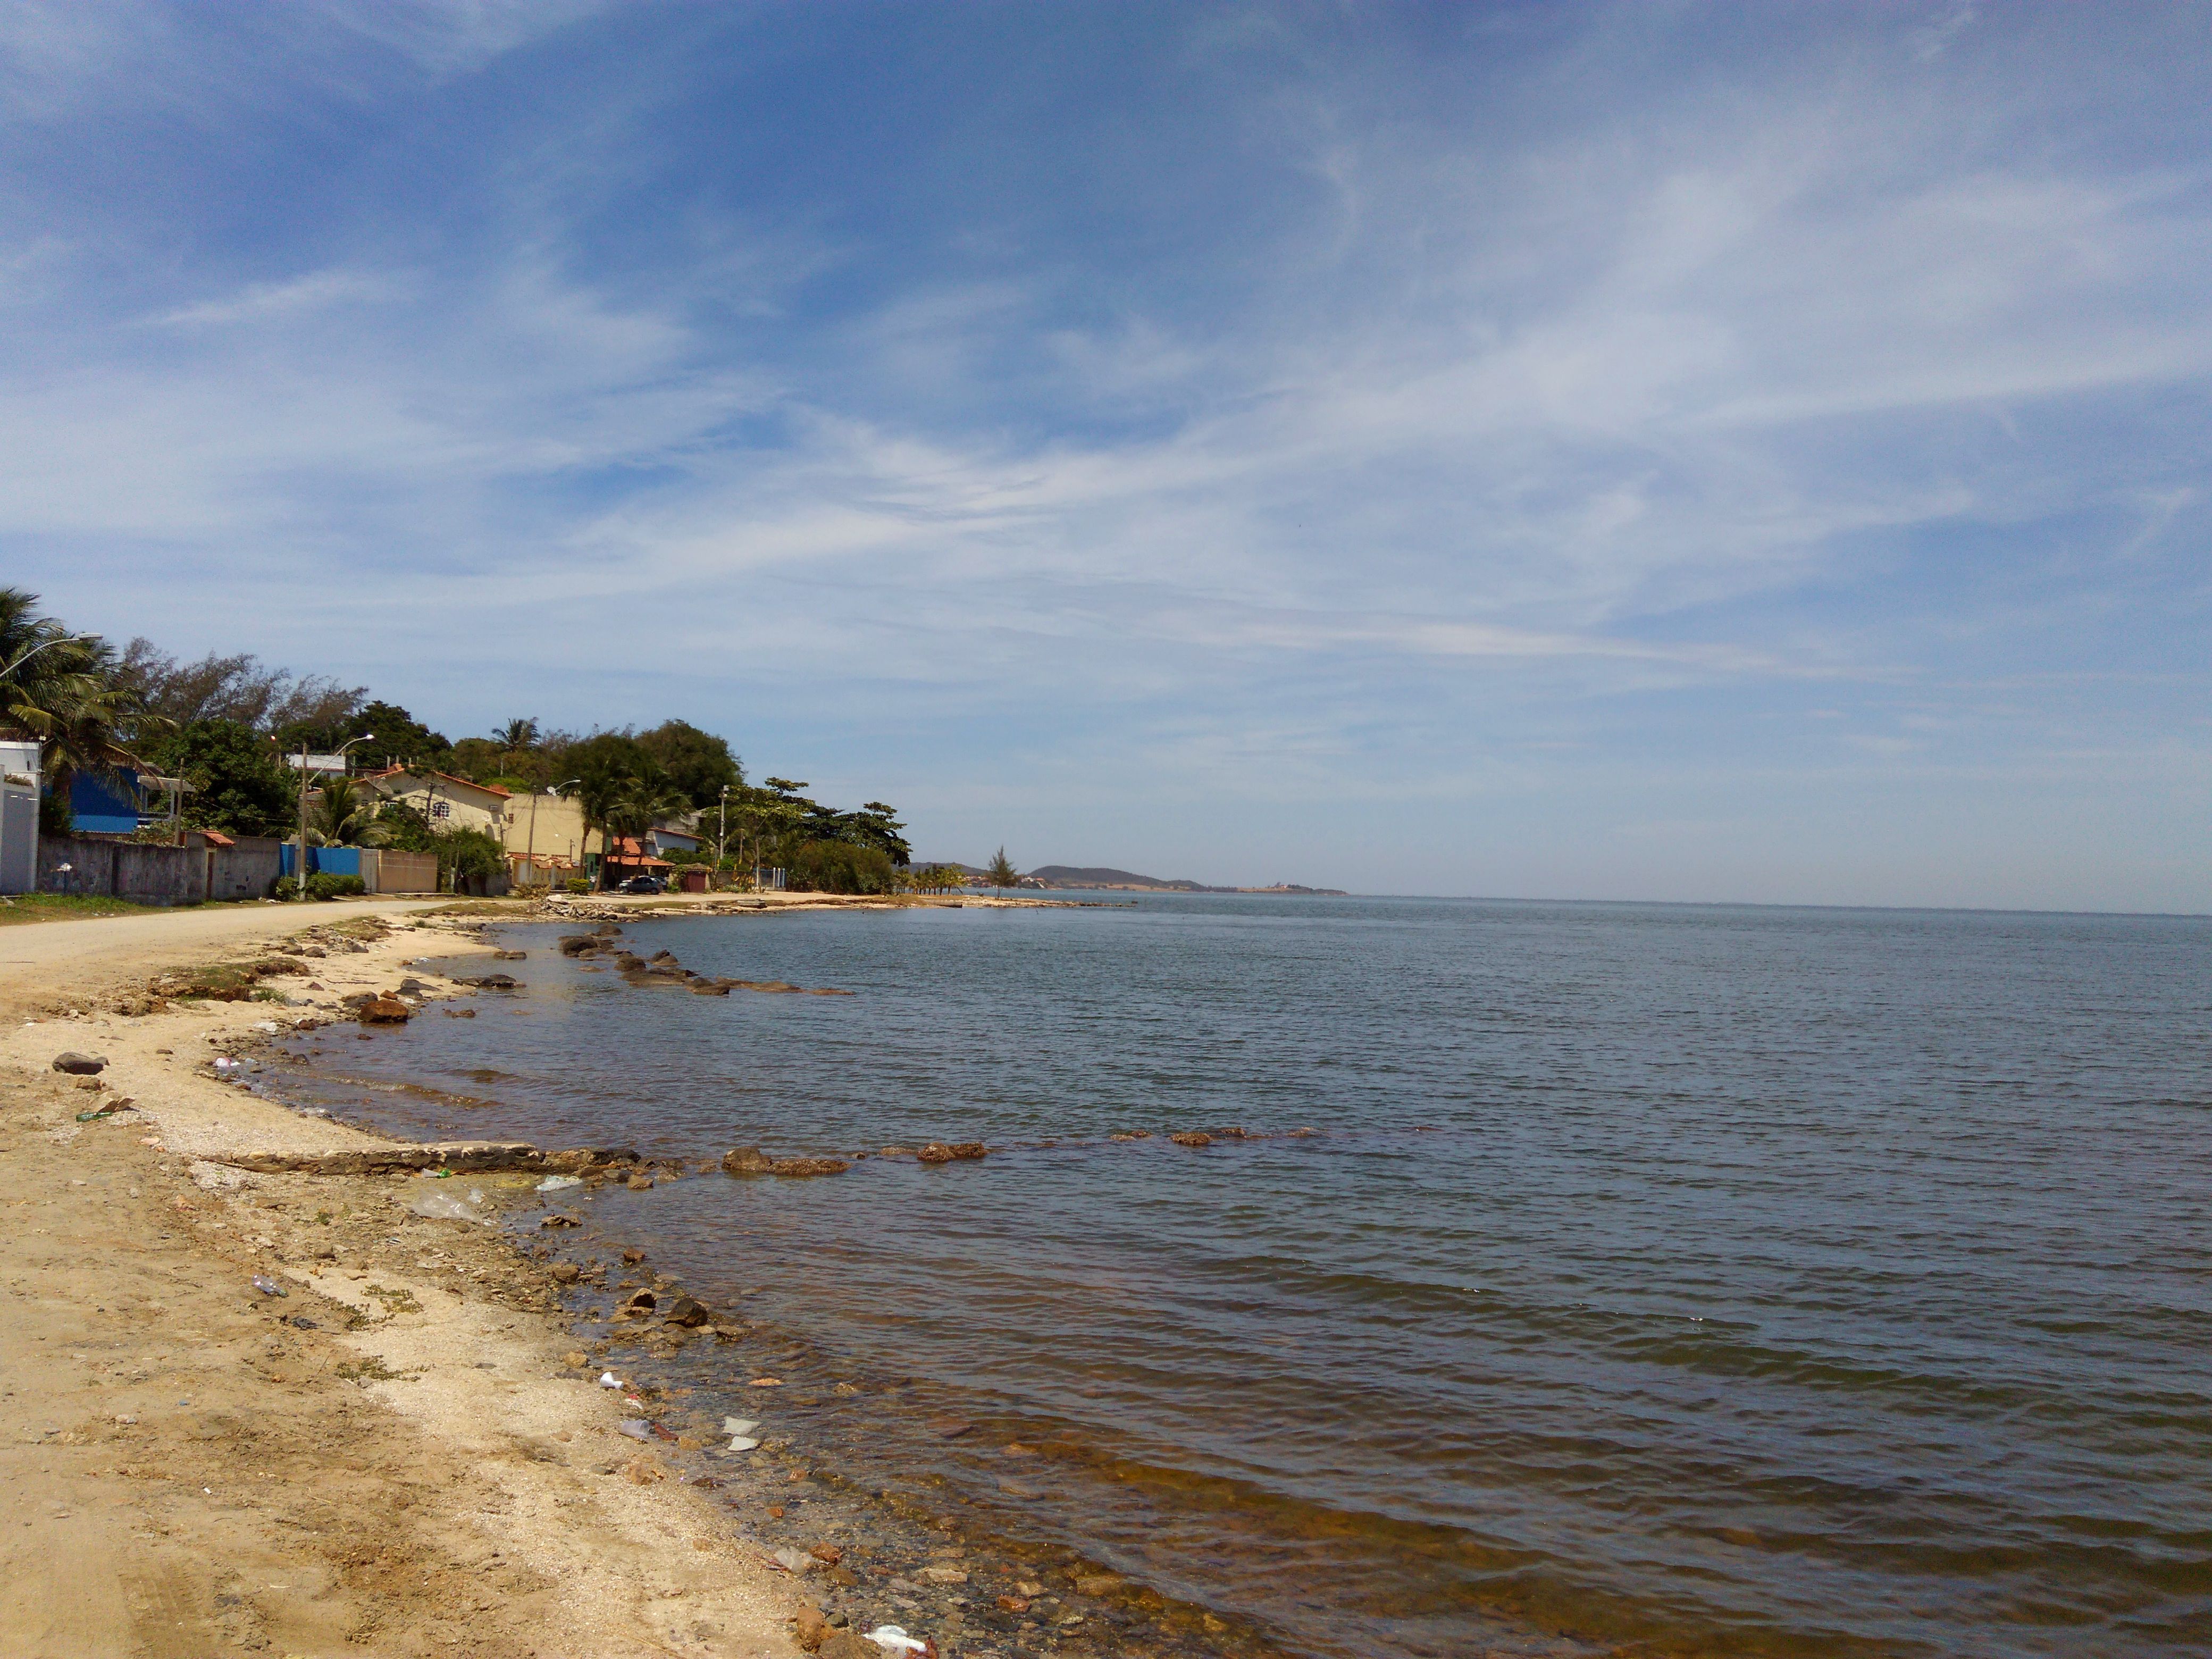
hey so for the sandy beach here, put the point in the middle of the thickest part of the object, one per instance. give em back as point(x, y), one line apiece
point(402, 1454)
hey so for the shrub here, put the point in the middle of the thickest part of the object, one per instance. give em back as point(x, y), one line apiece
point(839, 866)
point(577, 885)
point(320, 885)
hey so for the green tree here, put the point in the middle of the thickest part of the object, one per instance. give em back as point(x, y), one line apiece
point(838, 867)
point(1001, 874)
point(58, 689)
point(393, 734)
point(696, 763)
point(468, 860)
point(343, 817)
point(237, 785)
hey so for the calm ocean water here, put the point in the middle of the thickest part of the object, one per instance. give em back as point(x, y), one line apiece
point(1716, 1281)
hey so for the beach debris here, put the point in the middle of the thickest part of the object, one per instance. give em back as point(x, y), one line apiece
point(609, 1380)
point(384, 1010)
point(739, 1425)
point(268, 1026)
point(1192, 1138)
point(937, 1151)
point(268, 1286)
point(555, 1183)
point(433, 1205)
point(635, 1427)
point(686, 1312)
point(742, 1442)
point(79, 1064)
point(108, 1109)
point(893, 1638)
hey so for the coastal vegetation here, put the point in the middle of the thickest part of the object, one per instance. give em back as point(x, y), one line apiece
point(224, 724)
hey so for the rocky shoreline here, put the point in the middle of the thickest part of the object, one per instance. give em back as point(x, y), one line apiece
point(383, 1248)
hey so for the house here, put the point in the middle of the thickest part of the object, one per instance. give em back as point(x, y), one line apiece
point(544, 826)
point(631, 857)
point(444, 801)
point(670, 838)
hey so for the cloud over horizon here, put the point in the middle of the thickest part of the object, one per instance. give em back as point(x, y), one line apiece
point(1623, 451)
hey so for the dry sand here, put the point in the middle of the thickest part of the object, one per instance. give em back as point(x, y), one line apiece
point(397, 1458)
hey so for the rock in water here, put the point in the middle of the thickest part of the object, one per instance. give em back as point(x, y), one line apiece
point(939, 1152)
point(684, 1311)
point(747, 1160)
point(81, 1065)
point(1192, 1138)
point(809, 1166)
point(384, 1010)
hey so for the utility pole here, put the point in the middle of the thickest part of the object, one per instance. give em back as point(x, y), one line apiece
point(300, 872)
point(723, 835)
point(530, 857)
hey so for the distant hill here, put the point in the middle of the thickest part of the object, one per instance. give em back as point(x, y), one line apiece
point(1071, 875)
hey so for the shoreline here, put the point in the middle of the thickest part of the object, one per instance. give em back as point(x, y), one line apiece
point(397, 1449)
point(455, 1338)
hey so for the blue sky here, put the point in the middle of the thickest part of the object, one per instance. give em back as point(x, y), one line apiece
point(1659, 450)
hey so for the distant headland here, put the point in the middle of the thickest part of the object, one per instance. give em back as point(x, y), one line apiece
point(1101, 878)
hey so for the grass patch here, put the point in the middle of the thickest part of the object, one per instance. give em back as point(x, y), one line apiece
point(70, 907)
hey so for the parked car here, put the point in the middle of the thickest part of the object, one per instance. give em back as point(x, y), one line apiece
point(643, 885)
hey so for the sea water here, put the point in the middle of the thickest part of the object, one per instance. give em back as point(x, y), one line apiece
point(1704, 1279)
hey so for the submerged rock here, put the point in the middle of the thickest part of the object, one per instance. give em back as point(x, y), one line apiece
point(1192, 1138)
point(684, 1311)
point(939, 1152)
point(746, 1160)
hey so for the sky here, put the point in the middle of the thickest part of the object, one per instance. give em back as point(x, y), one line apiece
point(1661, 451)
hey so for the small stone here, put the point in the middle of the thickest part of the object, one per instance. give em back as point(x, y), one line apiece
point(943, 1576)
point(639, 1183)
point(80, 1065)
point(809, 1627)
point(566, 1273)
point(575, 1359)
point(829, 1554)
point(1014, 1603)
point(631, 1258)
point(847, 1644)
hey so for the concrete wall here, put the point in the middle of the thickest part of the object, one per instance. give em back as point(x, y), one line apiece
point(123, 870)
point(400, 873)
point(246, 870)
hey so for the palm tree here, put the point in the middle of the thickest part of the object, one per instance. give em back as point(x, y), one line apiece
point(59, 689)
point(514, 738)
point(618, 804)
point(343, 818)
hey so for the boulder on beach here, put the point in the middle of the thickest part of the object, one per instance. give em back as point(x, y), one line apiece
point(79, 1064)
point(384, 1010)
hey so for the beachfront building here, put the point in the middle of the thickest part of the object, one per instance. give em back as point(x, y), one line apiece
point(548, 840)
point(446, 802)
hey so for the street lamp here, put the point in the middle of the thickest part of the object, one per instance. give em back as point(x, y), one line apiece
point(722, 835)
point(301, 874)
